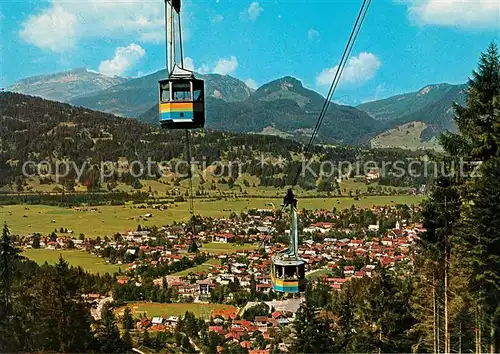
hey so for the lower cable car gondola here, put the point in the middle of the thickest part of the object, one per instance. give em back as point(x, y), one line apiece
point(181, 100)
point(287, 269)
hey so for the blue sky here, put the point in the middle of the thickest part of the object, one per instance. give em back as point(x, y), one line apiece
point(403, 45)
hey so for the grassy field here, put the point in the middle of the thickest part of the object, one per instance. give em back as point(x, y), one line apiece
point(87, 261)
point(363, 202)
point(199, 268)
point(314, 275)
point(163, 185)
point(406, 136)
point(108, 220)
point(165, 310)
point(351, 185)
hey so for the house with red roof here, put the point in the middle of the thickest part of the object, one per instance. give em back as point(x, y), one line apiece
point(218, 329)
point(225, 313)
point(246, 344)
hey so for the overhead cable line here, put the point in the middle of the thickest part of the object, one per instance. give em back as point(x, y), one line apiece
point(347, 51)
point(345, 56)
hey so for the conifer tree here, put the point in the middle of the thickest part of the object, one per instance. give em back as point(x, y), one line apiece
point(312, 332)
point(127, 340)
point(146, 340)
point(9, 254)
point(127, 320)
point(108, 333)
point(481, 236)
point(478, 139)
point(462, 218)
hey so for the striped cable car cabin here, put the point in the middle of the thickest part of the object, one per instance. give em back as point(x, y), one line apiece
point(181, 101)
point(287, 269)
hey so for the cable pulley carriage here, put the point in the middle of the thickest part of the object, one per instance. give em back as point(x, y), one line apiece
point(287, 268)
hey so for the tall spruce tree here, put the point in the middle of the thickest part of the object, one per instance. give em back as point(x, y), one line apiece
point(9, 255)
point(462, 218)
point(312, 332)
point(108, 333)
point(127, 320)
point(481, 236)
point(478, 140)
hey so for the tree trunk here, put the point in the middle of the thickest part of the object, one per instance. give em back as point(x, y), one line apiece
point(438, 324)
point(476, 331)
point(460, 339)
point(446, 327)
point(380, 340)
point(492, 335)
point(480, 342)
point(434, 327)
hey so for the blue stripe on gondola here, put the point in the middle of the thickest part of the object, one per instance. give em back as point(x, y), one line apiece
point(176, 115)
point(286, 289)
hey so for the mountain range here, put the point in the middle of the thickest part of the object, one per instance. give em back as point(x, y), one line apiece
point(281, 107)
point(35, 130)
point(431, 105)
point(284, 107)
point(65, 86)
point(134, 97)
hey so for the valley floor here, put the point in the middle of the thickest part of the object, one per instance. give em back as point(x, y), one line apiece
point(108, 220)
point(88, 262)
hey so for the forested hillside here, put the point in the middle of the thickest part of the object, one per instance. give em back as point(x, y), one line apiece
point(37, 130)
point(431, 105)
point(282, 107)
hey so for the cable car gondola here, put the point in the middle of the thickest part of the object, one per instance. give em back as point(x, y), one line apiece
point(181, 95)
point(287, 269)
point(181, 100)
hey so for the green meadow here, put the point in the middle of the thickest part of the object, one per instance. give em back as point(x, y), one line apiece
point(152, 309)
point(107, 220)
point(87, 261)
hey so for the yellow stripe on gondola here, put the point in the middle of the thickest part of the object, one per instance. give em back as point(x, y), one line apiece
point(176, 107)
point(281, 282)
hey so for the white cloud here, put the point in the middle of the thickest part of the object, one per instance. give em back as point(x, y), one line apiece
point(251, 83)
point(357, 71)
point(204, 69)
point(223, 66)
point(254, 10)
point(459, 13)
point(312, 34)
point(54, 29)
point(63, 23)
point(226, 66)
point(217, 18)
point(125, 58)
point(189, 63)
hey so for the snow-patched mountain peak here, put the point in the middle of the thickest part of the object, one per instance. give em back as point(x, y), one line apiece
point(65, 86)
